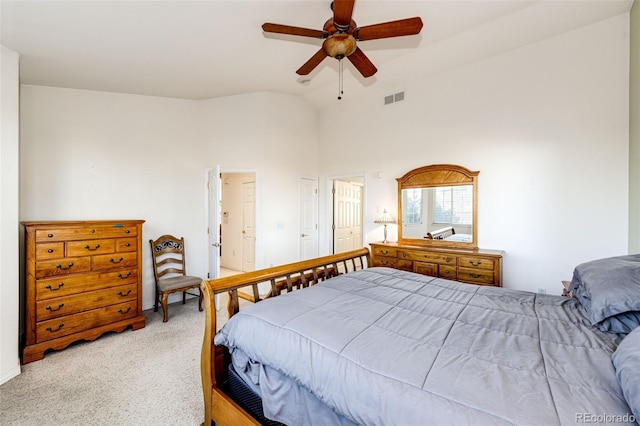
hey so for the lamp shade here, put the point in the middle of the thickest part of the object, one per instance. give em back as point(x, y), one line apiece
point(384, 218)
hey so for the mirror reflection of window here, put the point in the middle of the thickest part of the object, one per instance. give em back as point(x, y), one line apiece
point(413, 203)
point(453, 205)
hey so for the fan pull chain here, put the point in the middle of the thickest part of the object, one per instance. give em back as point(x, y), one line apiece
point(340, 79)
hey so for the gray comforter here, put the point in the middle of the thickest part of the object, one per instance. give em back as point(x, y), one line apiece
point(385, 347)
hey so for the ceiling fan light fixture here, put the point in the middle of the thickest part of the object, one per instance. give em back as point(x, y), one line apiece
point(339, 45)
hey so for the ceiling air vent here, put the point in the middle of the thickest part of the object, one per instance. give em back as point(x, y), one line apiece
point(397, 97)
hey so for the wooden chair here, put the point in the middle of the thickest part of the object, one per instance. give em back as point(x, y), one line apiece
point(170, 272)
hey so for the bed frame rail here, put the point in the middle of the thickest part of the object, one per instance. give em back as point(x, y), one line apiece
point(219, 407)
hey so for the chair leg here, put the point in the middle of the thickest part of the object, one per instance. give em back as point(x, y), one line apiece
point(165, 297)
point(200, 300)
point(155, 309)
point(184, 297)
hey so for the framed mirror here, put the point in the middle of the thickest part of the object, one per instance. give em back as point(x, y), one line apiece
point(438, 206)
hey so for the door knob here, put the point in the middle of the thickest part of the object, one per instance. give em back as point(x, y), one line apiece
point(216, 245)
point(304, 235)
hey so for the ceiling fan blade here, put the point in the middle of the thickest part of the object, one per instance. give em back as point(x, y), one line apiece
point(342, 11)
point(313, 62)
point(402, 27)
point(362, 63)
point(287, 29)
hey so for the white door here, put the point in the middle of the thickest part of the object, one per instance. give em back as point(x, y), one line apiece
point(347, 215)
point(213, 191)
point(308, 218)
point(248, 226)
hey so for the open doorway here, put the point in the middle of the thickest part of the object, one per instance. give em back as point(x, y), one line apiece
point(237, 223)
point(347, 201)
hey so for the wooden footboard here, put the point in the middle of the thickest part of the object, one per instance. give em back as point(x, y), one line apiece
point(219, 407)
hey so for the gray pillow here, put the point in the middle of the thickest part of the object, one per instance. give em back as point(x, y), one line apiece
point(609, 291)
point(626, 360)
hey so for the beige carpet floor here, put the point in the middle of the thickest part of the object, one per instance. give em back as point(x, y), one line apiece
point(146, 377)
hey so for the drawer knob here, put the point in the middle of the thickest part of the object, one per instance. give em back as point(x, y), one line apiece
point(478, 263)
point(127, 245)
point(124, 294)
point(49, 308)
point(447, 259)
point(125, 276)
point(92, 249)
point(124, 312)
point(65, 268)
point(112, 260)
point(50, 330)
point(50, 235)
point(475, 275)
point(127, 231)
point(50, 251)
point(54, 289)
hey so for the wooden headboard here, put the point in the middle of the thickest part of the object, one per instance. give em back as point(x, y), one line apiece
point(219, 407)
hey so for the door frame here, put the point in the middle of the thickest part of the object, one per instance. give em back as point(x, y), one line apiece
point(259, 252)
point(330, 206)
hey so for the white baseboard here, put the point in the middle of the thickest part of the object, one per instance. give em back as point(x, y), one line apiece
point(10, 374)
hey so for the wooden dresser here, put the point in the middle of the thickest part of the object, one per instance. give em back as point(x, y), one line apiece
point(476, 266)
point(82, 279)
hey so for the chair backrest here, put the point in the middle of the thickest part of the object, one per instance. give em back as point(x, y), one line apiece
point(167, 253)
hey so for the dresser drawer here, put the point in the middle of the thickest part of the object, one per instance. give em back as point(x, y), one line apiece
point(70, 324)
point(475, 262)
point(427, 257)
point(384, 251)
point(46, 251)
point(447, 271)
point(115, 261)
point(424, 268)
point(404, 264)
point(90, 247)
point(384, 261)
point(66, 266)
point(63, 286)
point(85, 233)
point(477, 276)
point(67, 305)
point(126, 244)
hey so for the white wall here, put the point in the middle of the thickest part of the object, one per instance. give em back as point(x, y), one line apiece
point(9, 251)
point(96, 155)
point(547, 127)
point(276, 135)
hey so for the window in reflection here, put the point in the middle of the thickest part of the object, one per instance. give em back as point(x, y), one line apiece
point(453, 205)
point(413, 203)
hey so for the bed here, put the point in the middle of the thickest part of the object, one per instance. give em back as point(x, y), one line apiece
point(379, 346)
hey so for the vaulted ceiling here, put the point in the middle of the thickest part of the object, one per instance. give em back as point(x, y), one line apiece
point(206, 49)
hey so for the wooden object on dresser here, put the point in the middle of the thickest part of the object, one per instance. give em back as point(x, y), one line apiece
point(476, 266)
point(83, 279)
point(565, 289)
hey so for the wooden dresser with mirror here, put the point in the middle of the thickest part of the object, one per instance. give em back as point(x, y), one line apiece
point(438, 228)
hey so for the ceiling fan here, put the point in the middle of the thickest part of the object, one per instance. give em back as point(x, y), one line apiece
point(341, 34)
